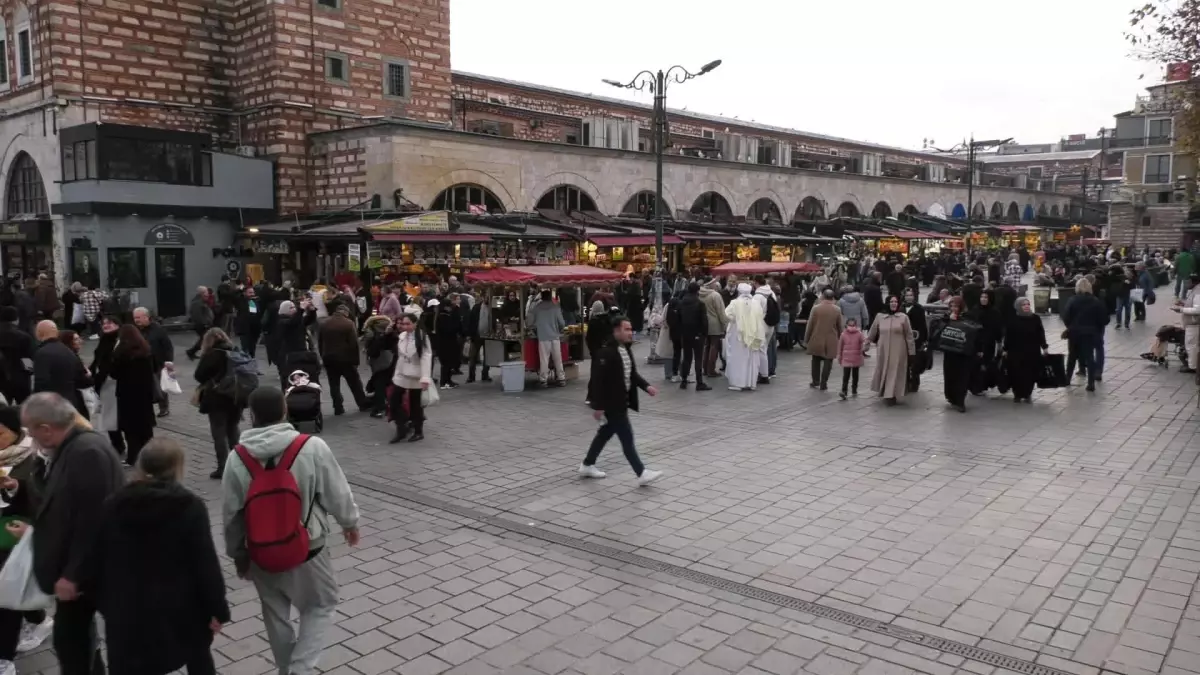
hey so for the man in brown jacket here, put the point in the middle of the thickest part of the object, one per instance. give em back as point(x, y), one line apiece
point(45, 298)
point(821, 336)
point(338, 339)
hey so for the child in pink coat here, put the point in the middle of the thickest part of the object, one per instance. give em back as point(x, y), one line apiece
point(851, 348)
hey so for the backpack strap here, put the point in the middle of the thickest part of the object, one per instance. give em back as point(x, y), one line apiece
point(252, 465)
point(293, 450)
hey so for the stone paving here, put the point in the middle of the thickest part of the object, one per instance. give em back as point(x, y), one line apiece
point(793, 533)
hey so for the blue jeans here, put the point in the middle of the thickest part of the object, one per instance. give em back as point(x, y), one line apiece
point(1084, 350)
point(772, 348)
point(1124, 305)
point(615, 423)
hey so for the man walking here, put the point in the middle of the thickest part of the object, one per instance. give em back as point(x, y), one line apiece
point(613, 393)
point(478, 325)
point(714, 306)
point(693, 329)
point(310, 585)
point(821, 336)
point(84, 470)
point(547, 320)
point(1189, 310)
point(162, 353)
point(200, 313)
point(338, 338)
point(1185, 265)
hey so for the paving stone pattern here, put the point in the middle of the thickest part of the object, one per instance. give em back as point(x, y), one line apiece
point(1063, 534)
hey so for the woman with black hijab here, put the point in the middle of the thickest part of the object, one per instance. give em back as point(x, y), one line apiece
point(916, 319)
point(991, 333)
point(446, 328)
point(1024, 344)
point(957, 367)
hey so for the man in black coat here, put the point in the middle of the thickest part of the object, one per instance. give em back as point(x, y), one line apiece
point(895, 282)
point(612, 394)
point(693, 331)
point(162, 353)
point(84, 471)
point(873, 296)
point(16, 357)
point(58, 369)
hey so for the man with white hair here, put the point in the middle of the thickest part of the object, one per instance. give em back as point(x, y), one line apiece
point(162, 353)
point(745, 339)
point(84, 470)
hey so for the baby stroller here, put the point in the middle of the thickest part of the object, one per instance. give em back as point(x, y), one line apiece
point(303, 397)
point(1167, 335)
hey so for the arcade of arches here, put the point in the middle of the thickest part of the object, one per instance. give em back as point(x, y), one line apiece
point(27, 248)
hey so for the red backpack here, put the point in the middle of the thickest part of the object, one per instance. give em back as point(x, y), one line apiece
point(276, 532)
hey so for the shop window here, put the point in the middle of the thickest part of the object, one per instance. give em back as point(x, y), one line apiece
point(491, 128)
point(337, 67)
point(395, 79)
point(79, 161)
point(127, 267)
point(766, 153)
point(26, 192)
point(152, 161)
point(24, 55)
point(329, 4)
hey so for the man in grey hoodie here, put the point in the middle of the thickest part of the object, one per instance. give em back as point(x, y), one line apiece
point(311, 588)
point(547, 320)
point(854, 307)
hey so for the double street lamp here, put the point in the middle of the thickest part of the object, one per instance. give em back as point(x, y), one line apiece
point(657, 83)
point(972, 147)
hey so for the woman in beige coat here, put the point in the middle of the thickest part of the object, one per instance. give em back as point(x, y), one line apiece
point(893, 333)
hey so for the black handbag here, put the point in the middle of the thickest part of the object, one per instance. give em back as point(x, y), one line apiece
point(1053, 373)
point(1001, 374)
point(959, 337)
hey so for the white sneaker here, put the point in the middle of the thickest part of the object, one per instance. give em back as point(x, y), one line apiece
point(676, 379)
point(32, 636)
point(8, 668)
point(648, 476)
point(733, 388)
point(584, 470)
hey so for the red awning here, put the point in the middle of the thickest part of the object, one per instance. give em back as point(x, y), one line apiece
point(1016, 228)
point(865, 235)
point(685, 236)
point(544, 274)
point(765, 267)
point(906, 234)
point(448, 238)
point(633, 240)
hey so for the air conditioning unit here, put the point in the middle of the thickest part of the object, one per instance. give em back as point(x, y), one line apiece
point(245, 150)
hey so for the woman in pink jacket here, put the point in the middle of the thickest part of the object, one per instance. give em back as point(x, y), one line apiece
point(851, 347)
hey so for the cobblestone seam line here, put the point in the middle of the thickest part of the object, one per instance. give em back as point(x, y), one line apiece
point(916, 637)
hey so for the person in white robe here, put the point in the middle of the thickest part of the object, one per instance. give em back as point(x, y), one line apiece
point(764, 357)
point(745, 340)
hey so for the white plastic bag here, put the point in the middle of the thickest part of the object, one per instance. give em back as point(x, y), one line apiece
point(1137, 295)
point(169, 383)
point(18, 587)
point(91, 400)
point(430, 396)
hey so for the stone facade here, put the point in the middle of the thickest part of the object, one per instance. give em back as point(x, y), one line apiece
point(1163, 230)
point(422, 162)
point(1062, 176)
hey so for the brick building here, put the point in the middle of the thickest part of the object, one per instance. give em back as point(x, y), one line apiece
point(139, 137)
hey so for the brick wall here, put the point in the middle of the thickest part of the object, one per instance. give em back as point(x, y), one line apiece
point(340, 176)
point(1164, 231)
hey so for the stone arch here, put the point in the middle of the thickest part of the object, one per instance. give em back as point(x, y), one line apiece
point(851, 198)
point(810, 208)
point(566, 197)
point(461, 197)
point(735, 205)
point(764, 209)
point(469, 177)
point(714, 206)
point(936, 210)
point(848, 209)
point(1014, 212)
point(1028, 214)
point(631, 191)
point(1054, 210)
point(641, 203)
point(959, 211)
point(1043, 210)
point(997, 210)
point(881, 210)
point(570, 178)
point(25, 190)
point(909, 209)
point(980, 211)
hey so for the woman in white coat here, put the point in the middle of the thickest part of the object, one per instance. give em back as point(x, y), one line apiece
point(412, 375)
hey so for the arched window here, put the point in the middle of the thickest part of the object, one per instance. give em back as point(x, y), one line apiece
point(713, 206)
point(764, 211)
point(567, 198)
point(1042, 210)
point(465, 198)
point(997, 210)
point(1054, 211)
point(642, 204)
point(881, 210)
point(979, 211)
point(1014, 212)
point(848, 210)
point(26, 192)
point(910, 210)
point(810, 208)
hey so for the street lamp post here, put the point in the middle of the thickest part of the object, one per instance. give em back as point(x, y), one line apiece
point(972, 147)
point(657, 83)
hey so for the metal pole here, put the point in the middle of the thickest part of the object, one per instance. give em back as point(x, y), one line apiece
point(970, 194)
point(660, 121)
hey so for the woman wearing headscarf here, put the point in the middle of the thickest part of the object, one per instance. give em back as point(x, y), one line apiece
point(289, 335)
point(745, 338)
point(892, 332)
point(106, 386)
point(133, 370)
point(920, 326)
point(1024, 344)
point(991, 335)
point(956, 368)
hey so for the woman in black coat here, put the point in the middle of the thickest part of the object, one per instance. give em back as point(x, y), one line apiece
point(133, 371)
point(957, 368)
point(289, 335)
point(916, 319)
point(248, 324)
point(154, 573)
point(1024, 344)
point(223, 412)
point(445, 343)
point(991, 334)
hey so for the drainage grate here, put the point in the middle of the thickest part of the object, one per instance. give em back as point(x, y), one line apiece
point(962, 649)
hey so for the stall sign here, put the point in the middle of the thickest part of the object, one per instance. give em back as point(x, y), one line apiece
point(278, 247)
point(374, 256)
point(438, 221)
point(26, 231)
point(354, 257)
point(168, 234)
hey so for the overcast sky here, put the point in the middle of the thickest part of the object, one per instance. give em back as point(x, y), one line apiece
point(885, 71)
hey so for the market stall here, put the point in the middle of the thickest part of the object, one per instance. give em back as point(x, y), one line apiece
point(513, 347)
point(744, 269)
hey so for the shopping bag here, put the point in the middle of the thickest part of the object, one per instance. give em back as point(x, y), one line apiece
point(1137, 295)
point(169, 383)
point(1053, 373)
point(19, 590)
point(430, 396)
point(91, 401)
point(1002, 382)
